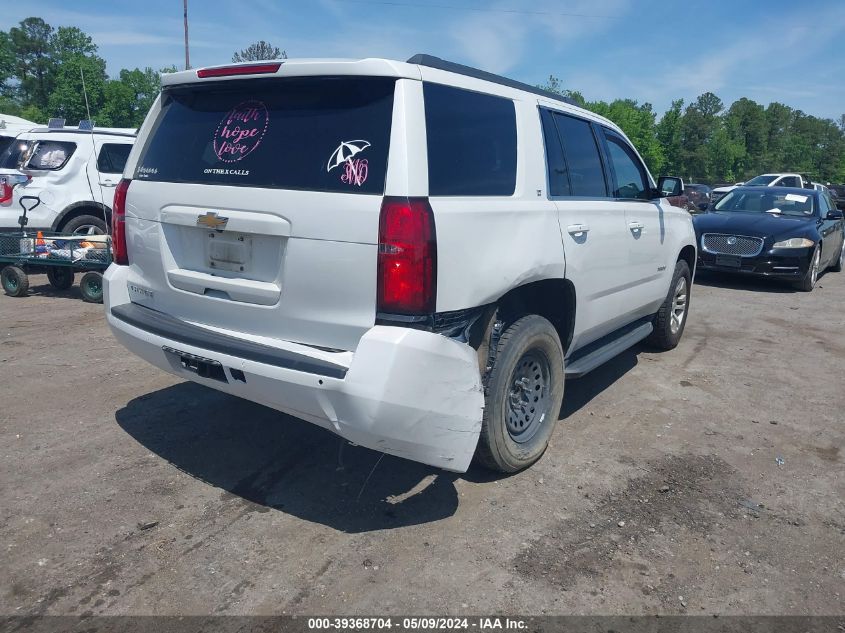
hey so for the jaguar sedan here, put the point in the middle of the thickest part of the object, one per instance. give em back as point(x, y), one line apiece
point(783, 232)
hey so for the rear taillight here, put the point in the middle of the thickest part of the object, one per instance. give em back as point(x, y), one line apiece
point(246, 69)
point(407, 257)
point(118, 224)
point(5, 192)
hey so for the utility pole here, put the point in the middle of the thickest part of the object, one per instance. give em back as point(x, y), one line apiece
point(187, 56)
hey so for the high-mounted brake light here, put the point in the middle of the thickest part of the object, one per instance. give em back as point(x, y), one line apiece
point(407, 257)
point(248, 69)
point(118, 224)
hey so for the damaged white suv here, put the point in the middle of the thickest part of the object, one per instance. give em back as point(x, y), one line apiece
point(412, 255)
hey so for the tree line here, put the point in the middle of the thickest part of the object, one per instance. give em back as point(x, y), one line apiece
point(707, 142)
point(42, 70)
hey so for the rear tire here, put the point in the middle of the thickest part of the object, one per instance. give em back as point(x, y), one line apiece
point(60, 278)
point(15, 281)
point(85, 225)
point(91, 287)
point(523, 396)
point(671, 318)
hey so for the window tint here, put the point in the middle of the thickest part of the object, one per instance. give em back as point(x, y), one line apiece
point(471, 142)
point(789, 181)
point(586, 175)
point(629, 179)
point(824, 207)
point(310, 133)
point(112, 158)
point(5, 141)
point(12, 155)
point(50, 155)
point(558, 178)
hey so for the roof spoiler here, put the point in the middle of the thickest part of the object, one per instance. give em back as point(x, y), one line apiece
point(441, 64)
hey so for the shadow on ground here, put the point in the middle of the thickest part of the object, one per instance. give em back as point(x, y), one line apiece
point(281, 463)
point(278, 462)
point(744, 282)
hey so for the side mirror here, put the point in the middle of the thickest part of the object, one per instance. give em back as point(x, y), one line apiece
point(669, 186)
point(836, 214)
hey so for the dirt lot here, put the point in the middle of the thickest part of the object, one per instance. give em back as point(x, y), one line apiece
point(126, 491)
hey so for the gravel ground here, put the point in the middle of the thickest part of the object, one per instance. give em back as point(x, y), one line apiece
point(708, 479)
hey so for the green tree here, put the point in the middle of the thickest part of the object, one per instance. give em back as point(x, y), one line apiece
point(67, 100)
point(638, 123)
point(257, 51)
point(556, 85)
point(34, 64)
point(746, 123)
point(7, 64)
point(128, 99)
point(699, 124)
point(668, 132)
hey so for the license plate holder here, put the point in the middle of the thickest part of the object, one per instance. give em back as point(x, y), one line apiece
point(729, 261)
point(228, 251)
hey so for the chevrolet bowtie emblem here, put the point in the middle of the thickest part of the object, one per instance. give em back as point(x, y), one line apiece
point(212, 221)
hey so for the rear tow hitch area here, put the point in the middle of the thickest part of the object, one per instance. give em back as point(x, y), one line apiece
point(202, 367)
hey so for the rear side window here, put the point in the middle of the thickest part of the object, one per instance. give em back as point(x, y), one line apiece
point(5, 141)
point(315, 134)
point(555, 162)
point(586, 174)
point(12, 155)
point(112, 158)
point(471, 142)
point(50, 155)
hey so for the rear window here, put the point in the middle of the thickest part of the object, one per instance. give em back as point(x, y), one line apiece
point(5, 141)
point(316, 134)
point(49, 155)
point(112, 158)
point(11, 156)
point(471, 142)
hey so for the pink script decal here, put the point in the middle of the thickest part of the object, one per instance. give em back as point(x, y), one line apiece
point(354, 171)
point(241, 131)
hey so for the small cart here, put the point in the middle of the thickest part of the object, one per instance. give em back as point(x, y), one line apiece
point(60, 256)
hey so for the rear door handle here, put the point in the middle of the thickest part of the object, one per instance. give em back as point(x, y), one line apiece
point(635, 226)
point(577, 229)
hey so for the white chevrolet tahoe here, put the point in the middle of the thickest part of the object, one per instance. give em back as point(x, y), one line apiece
point(412, 255)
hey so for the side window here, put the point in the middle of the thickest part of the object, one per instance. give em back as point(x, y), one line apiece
point(50, 155)
point(112, 158)
point(824, 206)
point(555, 162)
point(789, 181)
point(628, 174)
point(586, 174)
point(471, 142)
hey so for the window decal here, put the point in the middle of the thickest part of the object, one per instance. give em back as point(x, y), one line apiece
point(355, 170)
point(241, 131)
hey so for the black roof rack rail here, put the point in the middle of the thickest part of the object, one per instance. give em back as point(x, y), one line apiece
point(441, 64)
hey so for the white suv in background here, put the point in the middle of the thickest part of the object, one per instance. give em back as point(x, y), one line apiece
point(763, 180)
point(10, 127)
point(72, 171)
point(412, 255)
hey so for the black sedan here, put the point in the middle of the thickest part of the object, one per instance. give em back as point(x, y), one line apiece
point(781, 232)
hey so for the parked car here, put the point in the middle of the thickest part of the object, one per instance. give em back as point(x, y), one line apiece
point(764, 180)
point(72, 171)
point(681, 200)
point(784, 232)
point(698, 195)
point(412, 255)
point(838, 193)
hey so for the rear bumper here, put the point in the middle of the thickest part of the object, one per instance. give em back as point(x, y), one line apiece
point(404, 392)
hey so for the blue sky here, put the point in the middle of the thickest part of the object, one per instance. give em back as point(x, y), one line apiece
point(649, 50)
